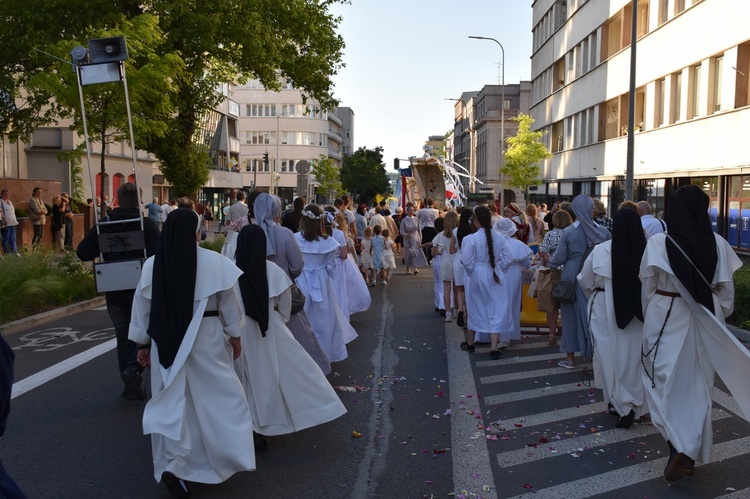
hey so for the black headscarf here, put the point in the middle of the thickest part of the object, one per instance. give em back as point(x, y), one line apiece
point(628, 244)
point(173, 284)
point(251, 260)
point(689, 225)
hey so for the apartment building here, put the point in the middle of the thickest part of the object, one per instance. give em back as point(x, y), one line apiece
point(691, 102)
point(346, 115)
point(479, 133)
point(281, 125)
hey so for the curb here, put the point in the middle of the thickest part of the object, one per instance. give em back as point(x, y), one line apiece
point(50, 315)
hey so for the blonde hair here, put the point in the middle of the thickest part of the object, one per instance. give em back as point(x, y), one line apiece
point(531, 211)
point(451, 222)
point(368, 231)
point(342, 222)
point(521, 215)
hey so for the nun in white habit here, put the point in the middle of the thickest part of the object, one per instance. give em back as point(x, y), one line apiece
point(187, 308)
point(285, 389)
point(687, 291)
point(609, 278)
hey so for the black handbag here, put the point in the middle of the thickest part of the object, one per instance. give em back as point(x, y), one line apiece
point(298, 299)
point(564, 292)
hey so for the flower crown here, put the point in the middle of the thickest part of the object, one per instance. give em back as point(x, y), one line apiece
point(310, 214)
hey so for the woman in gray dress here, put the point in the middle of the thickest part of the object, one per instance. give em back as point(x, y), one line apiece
point(413, 254)
point(283, 250)
point(576, 243)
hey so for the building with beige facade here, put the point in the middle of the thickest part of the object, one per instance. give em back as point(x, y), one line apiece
point(691, 102)
point(479, 133)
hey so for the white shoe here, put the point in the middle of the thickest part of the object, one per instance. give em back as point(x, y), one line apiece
point(448, 317)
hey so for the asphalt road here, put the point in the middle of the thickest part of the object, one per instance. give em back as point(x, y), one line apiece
point(434, 421)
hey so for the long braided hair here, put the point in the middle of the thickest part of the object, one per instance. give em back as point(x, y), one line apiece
point(483, 215)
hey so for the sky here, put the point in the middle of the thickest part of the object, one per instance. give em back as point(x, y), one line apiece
point(404, 57)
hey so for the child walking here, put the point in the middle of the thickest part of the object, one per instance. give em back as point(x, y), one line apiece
point(377, 249)
point(366, 262)
point(389, 260)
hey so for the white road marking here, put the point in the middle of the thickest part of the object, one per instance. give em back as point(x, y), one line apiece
point(52, 372)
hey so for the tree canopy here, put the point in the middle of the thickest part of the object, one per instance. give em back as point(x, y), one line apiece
point(327, 176)
point(363, 172)
point(185, 52)
point(525, 151)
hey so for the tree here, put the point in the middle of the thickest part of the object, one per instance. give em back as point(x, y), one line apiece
point(363, 173)
point(213, 42)
point(327, 177)
point(525, 152)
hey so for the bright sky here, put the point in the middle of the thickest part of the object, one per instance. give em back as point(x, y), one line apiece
point(403, 57)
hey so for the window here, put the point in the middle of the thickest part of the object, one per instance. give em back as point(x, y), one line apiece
point(663, 11)
point(252, 165)
point(255, 137)
point(557, 137)
point(287, 165)
point(718, 67)
point(559, 74)
point(612, 37)
point(742, 76)
point(593, 51)
point(695, 91)
point(676, 98)
point(256, 110)
point(661, 93)
point(642, 18)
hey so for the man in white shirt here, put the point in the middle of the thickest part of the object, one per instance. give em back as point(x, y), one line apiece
point(165, 209)
point(378, 219)
point(238, 209)
point(651, 224)
point(427, 216)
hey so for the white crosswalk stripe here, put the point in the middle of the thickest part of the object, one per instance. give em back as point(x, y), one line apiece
point(570, 432)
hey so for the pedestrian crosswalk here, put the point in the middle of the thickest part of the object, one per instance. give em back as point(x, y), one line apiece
point(547, 433)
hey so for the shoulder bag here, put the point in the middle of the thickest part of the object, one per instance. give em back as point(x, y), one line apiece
point(298, 299)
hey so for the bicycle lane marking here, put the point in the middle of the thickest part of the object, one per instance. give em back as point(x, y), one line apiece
point(52, 372)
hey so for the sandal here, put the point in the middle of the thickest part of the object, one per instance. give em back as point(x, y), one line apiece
point(466, 347)
point(552, 341)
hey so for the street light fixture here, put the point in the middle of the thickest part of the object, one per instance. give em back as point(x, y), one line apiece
point(502, 119)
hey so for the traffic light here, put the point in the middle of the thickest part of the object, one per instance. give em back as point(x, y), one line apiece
point(396, 164)
point(265, 158)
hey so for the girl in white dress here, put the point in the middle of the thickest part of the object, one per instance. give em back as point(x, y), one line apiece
point(442, 244)
point(485, 257)
point(285, 389)
point(389, 260)
point(317, 282)
point(459, 275)
point(357, 296)
point(366, 262)
point(187, 308)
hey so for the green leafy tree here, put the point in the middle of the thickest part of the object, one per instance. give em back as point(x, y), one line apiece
point(211, 43)
point(363, 172)
point(327, 177)
point(525, 152)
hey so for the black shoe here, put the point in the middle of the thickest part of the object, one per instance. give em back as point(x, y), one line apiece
point(259, 442)
point(126, 394)
point(176, 487)
point(133, 383)
point(442, 312)
point(495, 354)
point(626, 421)
point(466, 347)
point(611, 409)
point(460, 319)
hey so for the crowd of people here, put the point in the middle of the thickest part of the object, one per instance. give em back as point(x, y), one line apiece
point(240, 343)
point(643, 300)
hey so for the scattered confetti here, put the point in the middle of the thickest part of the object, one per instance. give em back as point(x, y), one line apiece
point(356, 434)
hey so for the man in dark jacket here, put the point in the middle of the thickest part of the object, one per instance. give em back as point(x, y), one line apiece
point(119, 303)
point(8, 487)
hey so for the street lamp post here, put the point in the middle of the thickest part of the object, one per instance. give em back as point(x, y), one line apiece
point(502, 118)
point(274, 180)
